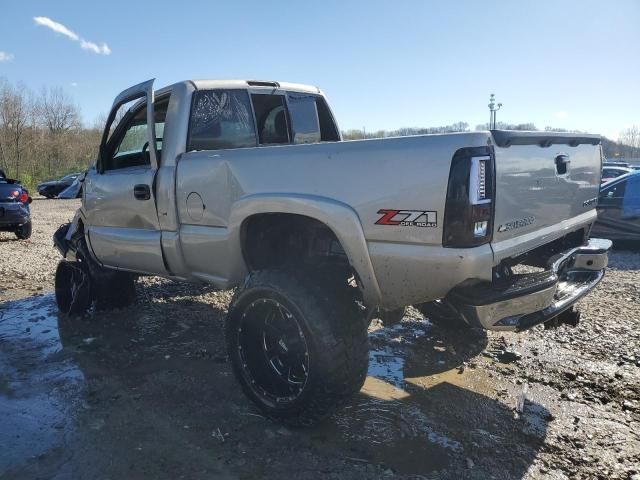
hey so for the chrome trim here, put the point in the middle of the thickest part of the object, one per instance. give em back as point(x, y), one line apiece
point(579, 270)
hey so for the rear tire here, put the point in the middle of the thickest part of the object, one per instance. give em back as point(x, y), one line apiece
point(23, 232)
point(298, 344)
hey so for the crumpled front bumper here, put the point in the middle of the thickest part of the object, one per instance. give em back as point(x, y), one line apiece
point(530, 299)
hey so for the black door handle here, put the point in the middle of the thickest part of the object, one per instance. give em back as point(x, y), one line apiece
point(142, 192)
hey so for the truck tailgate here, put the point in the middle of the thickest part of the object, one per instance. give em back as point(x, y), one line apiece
point(543, 181)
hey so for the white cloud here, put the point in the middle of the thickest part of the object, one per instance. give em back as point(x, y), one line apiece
point(102, 49)
point(5, 57)
point(74, 84)
point(562, 114)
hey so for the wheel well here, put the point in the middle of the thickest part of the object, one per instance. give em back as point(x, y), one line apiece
point(272, 240)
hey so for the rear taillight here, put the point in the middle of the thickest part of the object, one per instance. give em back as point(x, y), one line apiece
point(24, 197)
point(468, 216)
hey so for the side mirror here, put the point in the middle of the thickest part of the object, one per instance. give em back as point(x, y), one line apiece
point(30, 200)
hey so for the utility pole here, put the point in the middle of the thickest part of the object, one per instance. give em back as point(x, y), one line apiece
point(492, 111)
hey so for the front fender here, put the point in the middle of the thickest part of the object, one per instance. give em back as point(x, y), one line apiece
point(339, 217)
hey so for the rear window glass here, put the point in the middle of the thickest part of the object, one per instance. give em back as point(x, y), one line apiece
point(221, 119)
point(271, 118)
point(304, 118)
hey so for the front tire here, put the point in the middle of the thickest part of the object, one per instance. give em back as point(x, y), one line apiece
point(23, 232)
point(72, 288)
point(298, 344)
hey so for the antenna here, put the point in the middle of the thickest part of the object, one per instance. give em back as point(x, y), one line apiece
point(493, 108)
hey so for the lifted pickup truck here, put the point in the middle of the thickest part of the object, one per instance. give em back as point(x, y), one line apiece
point(248, 184)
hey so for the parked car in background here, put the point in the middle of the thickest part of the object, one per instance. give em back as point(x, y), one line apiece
point(619, 209)
point(15, 215)
point(53, 188)
point(75, 189)
point(609, 173)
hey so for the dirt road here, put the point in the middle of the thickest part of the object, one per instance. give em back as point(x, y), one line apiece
point(147, 391)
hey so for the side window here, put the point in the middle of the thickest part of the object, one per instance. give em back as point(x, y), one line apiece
point(129, 141)
point(271, 118)
point(304, 118)
point(631, 202)
point(221, 119)
point(328, 128)
point(612, 195)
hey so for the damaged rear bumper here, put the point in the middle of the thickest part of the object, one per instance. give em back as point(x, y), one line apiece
point(527, 300)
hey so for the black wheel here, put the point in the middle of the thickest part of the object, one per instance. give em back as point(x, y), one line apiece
point(390, 317)
point(440, 314)
point(113, 289)
point(24, 231)
point(298, 344)
point(72, 288)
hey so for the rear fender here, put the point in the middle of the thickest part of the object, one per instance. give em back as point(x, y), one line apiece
point(339, 217)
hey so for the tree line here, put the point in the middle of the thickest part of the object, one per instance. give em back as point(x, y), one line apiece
point(627, 146)
point(42, 135)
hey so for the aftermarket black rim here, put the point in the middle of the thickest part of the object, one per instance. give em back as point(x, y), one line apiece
point(273, 351)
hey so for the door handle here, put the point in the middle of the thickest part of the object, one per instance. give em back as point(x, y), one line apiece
point(142, 192)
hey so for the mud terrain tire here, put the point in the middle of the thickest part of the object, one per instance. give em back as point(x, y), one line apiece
point(113, 289)
point(72, 288)
point(24, 231)
point(322, 335)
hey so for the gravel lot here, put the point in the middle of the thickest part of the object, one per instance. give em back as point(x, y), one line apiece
point(148, 391)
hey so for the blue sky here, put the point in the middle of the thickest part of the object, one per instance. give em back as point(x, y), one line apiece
point(570, 63)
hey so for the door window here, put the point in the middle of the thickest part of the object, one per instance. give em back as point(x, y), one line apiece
point(631, 202)
point(304, 118)
point(221, 119)
point(129, 142)
point(612, 195)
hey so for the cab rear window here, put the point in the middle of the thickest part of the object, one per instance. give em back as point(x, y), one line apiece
point(221, 119)
point(227, 118)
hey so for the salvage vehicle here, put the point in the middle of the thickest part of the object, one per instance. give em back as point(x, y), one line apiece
point(52, 188)
point(74, 190)
point(15, 214)
point(619, 208)
point(248, 184)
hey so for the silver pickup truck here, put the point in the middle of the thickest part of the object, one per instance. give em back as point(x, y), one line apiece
point(248, 184)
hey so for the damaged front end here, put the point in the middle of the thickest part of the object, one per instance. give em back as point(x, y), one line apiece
point(80, 281)
point(68, 239)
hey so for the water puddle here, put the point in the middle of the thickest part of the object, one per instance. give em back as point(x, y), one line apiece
point(37, 382)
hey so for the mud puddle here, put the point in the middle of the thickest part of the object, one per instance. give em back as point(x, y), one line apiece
point(148, 392)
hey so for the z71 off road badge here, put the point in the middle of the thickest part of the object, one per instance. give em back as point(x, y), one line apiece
point(408, 218)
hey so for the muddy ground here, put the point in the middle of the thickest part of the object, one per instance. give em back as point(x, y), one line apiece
point(147, 391)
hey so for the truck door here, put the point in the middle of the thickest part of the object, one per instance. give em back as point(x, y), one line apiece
point(120, 204)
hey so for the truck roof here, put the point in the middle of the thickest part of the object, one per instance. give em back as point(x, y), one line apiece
point(209, 84)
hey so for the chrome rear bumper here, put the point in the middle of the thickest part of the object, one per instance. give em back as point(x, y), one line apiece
point(530, 299)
